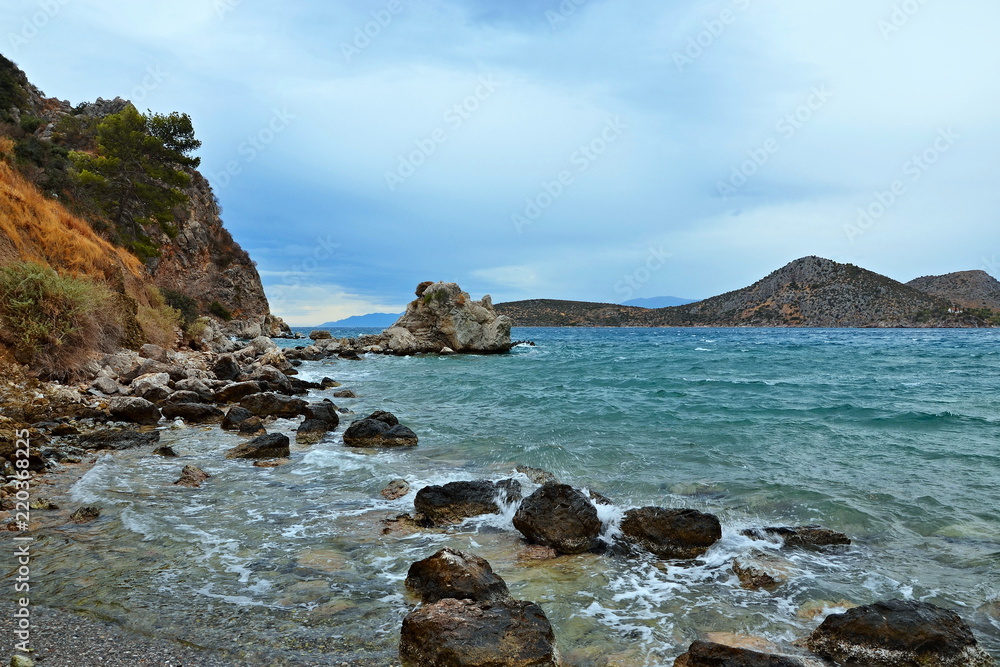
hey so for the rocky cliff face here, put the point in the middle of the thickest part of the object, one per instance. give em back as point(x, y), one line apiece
point(968, 289)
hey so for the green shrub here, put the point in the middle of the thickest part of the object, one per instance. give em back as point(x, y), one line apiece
point(54, 323)
point(183, 304)
point(220, 311)
point(30, 124)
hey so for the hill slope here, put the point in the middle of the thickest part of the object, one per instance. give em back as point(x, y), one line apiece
point(969, 289)
point(556, 313)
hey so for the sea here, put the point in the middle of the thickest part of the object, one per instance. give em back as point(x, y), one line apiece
point(889, 436)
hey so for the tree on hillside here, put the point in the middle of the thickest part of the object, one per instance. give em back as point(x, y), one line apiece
point(137, 172)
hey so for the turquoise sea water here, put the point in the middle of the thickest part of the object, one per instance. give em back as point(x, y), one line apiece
point(892, 437)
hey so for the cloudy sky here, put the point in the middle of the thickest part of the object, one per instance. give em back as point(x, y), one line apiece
point(574, 149)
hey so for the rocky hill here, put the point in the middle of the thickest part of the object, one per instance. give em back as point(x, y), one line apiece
point(968, 289)
point(809, 292)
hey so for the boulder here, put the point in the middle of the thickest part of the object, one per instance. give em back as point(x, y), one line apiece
point(344, 393)
point(311, 431)
point(85, 514)
point(183, 397)
point(456, 501)
point(193, 413)
point(273, 405)
point(759, 570)
point(268, 446)
point(802, 536)
point(253, 426)
point(324, 411)
point(153, 367)
point(490, 633)
point(272, 379)
point(137, 410)
point(118, 439)
point(302, 386)
point(898, 633)
point(328, 383)
point(226, 368)
point(152, 386)
point(455, 574)
point(234, 417)
point(192, 477)
point(106, 385)
point(320, 334)
point(166, 452)
point(707, 654)
point(379, 429)
point(536, 475)
point(561, 517)
point(196, 386)
point(671, 533)
point(154, 352)
point(395, 489)
point(236, 392)
point(445, 316)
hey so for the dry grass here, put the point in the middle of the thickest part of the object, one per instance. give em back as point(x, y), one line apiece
point(160, 323)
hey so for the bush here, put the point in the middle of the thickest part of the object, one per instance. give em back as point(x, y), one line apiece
point(220, 311)
point(54, 323)
point(183, 304)
point(158, 320)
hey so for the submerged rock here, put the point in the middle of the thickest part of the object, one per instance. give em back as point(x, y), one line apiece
point(167, 452)
point(85, 514)
point(802, 536)
point(193, 413)
point(273, 405)
point(450, 573)
point(707, 654)
point(268, 446)
point(759, 570)
point(234, 417)
point(671, 533)
point(395, 489)
point(456, 501)
point(118, 439)
point(192, 477)
point(536, 475)
point(561, 517)
point(325, 411)
point(898, 633)
point(311, 431)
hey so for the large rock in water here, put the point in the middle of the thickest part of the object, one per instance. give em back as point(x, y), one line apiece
point(898, 633)
point(707, 654)
point(491, 633)
point(268, 446)
point(456, 501)
point(561, 517)
point(672, 533)
point(455, 574)
point(137, 410)
point(379, 429)
point(443, 316)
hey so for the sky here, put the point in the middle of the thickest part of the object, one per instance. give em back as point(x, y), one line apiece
point(573, 149)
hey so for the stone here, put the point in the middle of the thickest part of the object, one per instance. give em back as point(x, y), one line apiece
point(898, 633)
point(536, 475)
point(329, 383)
point(395, 489)
point(137, 410)
point(226, 368)
point(183, 397)
point(269, 446)
point(759, 570)
point(234, 417)
point(154, 352)
point(324, 411)
point(252, 427)
point(561, 517)
point(671, 533)
point(19, 660)
point(271, 463)
point(85, 514)
point(311, 431)
point(320, 334)
point(380, 429)
point(118, 439)
point(192, 477)
point(802, 536)
point(167, 452)
point(106, 385)
point(451, 573)
point(463, 633)
point(236, 392)
point(193, 413)
point(196, 386)
point(273, 405)
point(344, 393)
point(707, 654)
point(456, 501)
point(272, 379)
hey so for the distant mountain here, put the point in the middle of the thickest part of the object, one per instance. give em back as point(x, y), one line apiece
point(383, 320)
point(809, 292)
point(969, 289)
point(659, 302)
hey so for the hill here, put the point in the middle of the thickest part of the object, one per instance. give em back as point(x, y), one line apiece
point(809, 292)
point(969, 289)
point(659, 302)
point(383, 320)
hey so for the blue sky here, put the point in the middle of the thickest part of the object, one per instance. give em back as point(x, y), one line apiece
point(576, 149)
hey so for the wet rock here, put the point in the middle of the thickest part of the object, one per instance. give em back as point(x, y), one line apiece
point(802, 536)
point(252, 427)
point(379, 429)
point(272, 379)
point(456, 501)
point(671, 533)
point(193, 413)
point(451, 573)
point(707, 654)
point(561, 517)
point(328, 383)
point(21, 661)
point(395, 489)
point(234, 417)
point(192, 477)
point(196, 386)
point(898, 633)
point(463, 633)
point(65, 429)
point(226, 368)
point(43, 504)
point(320, 334)
point(269, 446)
point(118, 439)
point(302, 386)
point(236, 392)
point(136, 410)
point(536, 552)
point(183, 397)
point(271, 463)
point(85, 514)
point(344, 393)
point(311, 431)
point(536, 475)
point(106, 385)
point(759, 570)
point(273, 405)
point(154, 352)
point(350, 355)
point(165, 451)
point(324, 411)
